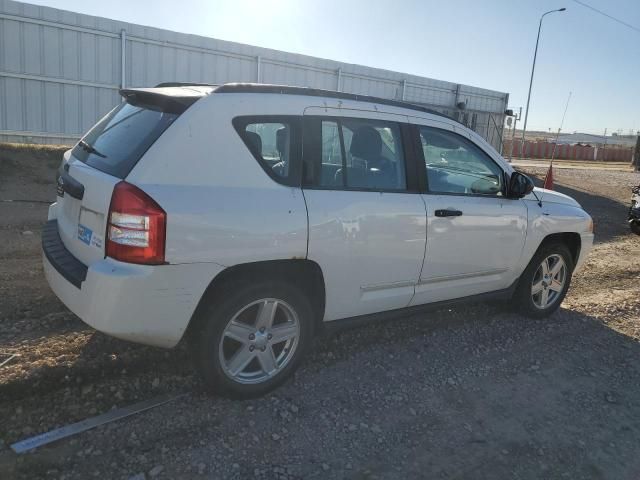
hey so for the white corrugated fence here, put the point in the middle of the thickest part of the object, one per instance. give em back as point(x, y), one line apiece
point(60, 71)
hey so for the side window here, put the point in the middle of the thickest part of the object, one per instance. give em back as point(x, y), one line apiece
point(361, 154)
point(456, 165)
point(274, 143)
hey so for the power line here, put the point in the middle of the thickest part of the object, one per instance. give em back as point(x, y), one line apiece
point(637, 29)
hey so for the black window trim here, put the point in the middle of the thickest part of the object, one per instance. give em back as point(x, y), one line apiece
point(312, 149)
point(294, 178)
point(343, 154)
point(412, 139)
point(423, 165)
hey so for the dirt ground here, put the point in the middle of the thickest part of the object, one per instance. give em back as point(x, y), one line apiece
point(474, 391)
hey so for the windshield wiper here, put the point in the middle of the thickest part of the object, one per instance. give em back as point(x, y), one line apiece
point(88, 148)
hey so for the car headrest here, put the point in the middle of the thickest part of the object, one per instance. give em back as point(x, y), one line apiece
point(281, 140)
point(366, 143)
point(255, 142)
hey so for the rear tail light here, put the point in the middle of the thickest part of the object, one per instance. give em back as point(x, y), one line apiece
point(136, 227)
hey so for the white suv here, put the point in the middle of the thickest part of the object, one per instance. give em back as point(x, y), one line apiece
point(245, 217)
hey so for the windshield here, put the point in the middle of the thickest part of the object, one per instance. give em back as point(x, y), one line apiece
point(116, 143)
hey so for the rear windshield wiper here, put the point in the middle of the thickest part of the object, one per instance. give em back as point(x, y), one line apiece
point(88, 148)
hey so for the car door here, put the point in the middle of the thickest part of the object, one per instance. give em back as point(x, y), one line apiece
point(367, 220)
point(475, 234)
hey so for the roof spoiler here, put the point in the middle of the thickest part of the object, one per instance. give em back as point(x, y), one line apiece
point(170, 100)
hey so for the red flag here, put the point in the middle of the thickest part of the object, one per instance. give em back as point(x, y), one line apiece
point(548, 179)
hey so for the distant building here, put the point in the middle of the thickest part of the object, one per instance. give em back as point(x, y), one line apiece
point(589, 139)
point(577, 138)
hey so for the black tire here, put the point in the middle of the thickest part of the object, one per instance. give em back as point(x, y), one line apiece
point(635, 226)
point(213, 318)
point(523, 299)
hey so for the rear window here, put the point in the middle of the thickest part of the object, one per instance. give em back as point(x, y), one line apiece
point(116, 143)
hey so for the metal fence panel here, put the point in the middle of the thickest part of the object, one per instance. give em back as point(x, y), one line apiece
point(60, 72)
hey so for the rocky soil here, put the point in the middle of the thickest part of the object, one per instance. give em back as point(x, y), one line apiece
point(474, 391)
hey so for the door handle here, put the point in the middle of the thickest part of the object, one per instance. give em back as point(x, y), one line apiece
point(448, 213)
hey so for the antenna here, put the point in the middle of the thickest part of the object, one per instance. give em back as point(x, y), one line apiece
point(555, 145)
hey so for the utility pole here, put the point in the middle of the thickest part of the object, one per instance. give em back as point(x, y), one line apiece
point(604, 147)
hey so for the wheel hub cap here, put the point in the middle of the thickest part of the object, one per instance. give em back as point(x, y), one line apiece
point(261, 340)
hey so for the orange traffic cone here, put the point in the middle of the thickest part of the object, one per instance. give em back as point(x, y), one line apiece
point(548, 179)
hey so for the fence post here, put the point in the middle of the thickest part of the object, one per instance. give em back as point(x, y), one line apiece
point(123, 58)
point(259, 68)
point(503, 116)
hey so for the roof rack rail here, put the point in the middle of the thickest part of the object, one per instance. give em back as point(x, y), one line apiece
point(185, 84)
point(318, 92)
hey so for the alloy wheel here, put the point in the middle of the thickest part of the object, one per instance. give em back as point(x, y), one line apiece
point(259, 341)
point(548, 281)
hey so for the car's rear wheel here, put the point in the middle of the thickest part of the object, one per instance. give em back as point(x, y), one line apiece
point(251, 338)
point(545, 282)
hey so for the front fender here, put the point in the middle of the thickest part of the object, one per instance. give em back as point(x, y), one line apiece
point(554, 218)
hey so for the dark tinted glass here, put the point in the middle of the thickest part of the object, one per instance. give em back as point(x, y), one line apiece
point(116, 143)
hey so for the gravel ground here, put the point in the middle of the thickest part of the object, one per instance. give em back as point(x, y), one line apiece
point(469, 392)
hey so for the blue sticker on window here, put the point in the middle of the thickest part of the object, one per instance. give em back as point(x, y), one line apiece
point(84, 234)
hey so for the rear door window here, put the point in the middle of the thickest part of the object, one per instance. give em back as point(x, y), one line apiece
point(360, 154)
point(116, 143)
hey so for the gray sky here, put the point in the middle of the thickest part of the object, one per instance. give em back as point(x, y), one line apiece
point(483, 43)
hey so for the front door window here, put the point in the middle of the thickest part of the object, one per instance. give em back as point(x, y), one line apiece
point(456, 166)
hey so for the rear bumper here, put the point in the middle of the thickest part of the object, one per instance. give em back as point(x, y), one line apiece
point(59, 257)
point(144, 304)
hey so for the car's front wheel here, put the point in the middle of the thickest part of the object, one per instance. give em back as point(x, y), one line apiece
point(545, 282)
point(251, 338)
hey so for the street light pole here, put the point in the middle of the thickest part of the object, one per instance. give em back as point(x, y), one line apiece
point(533, 68)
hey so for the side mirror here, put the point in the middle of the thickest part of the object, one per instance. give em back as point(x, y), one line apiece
point(519, 185)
